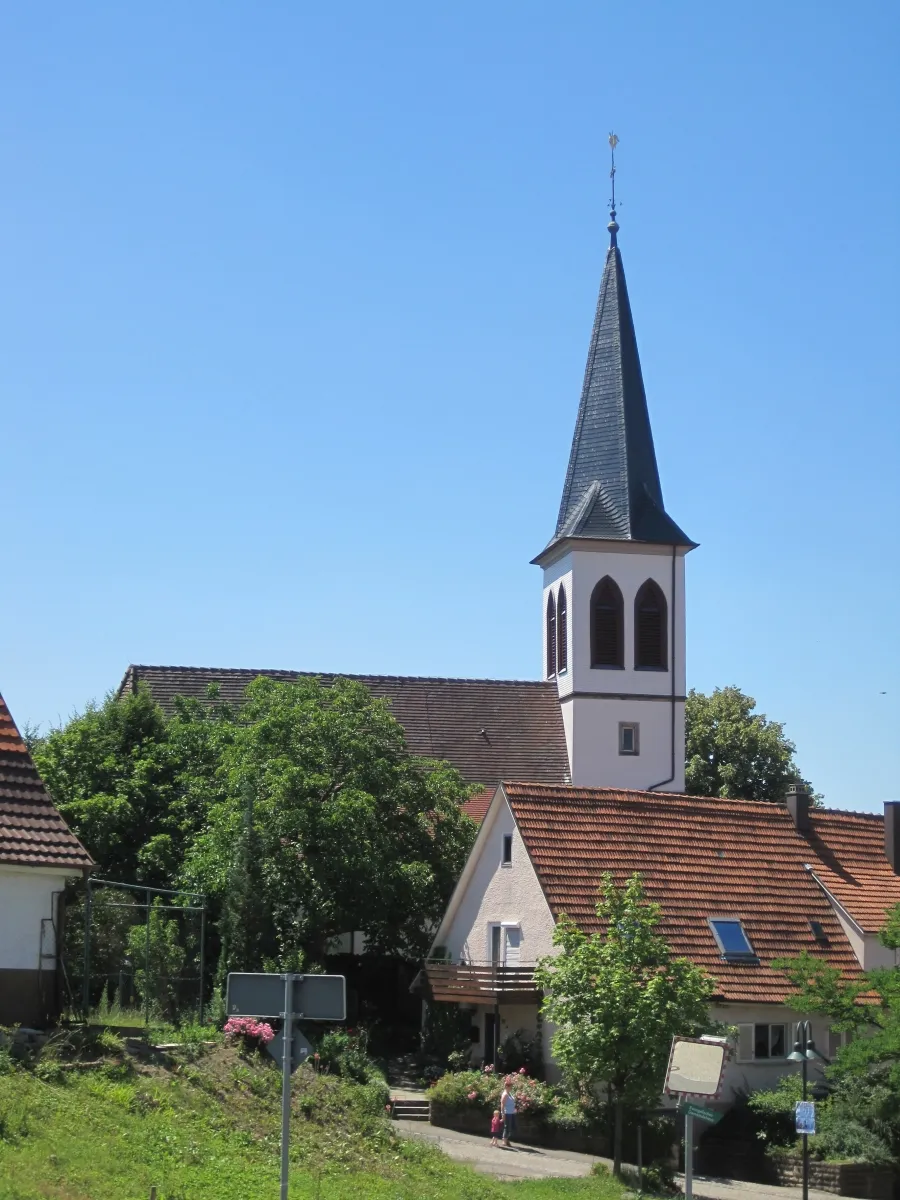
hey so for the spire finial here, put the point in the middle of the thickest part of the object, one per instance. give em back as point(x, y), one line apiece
point(612, 226)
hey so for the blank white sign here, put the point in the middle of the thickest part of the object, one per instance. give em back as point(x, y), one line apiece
point(695, 1067)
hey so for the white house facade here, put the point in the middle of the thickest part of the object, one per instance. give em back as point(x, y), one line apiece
point(542, 851)
point(38, 855)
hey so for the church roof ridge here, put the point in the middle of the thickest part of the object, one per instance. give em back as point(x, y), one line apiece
point(254, 672)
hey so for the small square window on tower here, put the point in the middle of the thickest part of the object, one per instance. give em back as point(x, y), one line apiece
point(507, 850)
point(629, 737)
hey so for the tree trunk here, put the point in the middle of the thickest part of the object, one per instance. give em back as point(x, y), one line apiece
point(617, 1138)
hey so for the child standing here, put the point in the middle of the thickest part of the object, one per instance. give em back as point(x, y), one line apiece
point(496, 1126)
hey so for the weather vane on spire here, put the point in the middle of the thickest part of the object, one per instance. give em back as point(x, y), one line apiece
point(612, 226)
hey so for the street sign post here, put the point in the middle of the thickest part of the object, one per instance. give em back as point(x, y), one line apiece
point(300, 1050)
point(702, 1114)
point(313, 997)
point(287, 998)
point(696, 1067)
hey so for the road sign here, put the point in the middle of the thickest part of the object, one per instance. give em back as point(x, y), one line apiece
point(300, 1050)
point(805, 1116)
point(704, 1114)
point(289, 997)
point(696, 1066)
point(314, 997)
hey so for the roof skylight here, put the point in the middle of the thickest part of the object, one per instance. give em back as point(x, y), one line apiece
point(732, 940)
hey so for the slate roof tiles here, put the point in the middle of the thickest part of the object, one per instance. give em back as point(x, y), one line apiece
point(612, 488)
point(32, 832)
point(703, 858)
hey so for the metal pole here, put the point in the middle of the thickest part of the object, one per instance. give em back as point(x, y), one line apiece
point(688, 1156)
point(147, 967)
point(640, 1159)
point(805, 1138)
point(86, 981)
point(202, 958)
point(288, 1034)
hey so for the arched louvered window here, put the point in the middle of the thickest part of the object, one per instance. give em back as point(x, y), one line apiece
point(607, 625)
point(650, 651)
point(562, 632)
point(551, 635)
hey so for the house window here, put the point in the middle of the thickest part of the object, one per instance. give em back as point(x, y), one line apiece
point(506, 860)
point(763, 1043)
point(562, 632)
point(629, 737)
point(837, 1039)
point(551, 635)
point(607, 624)
point(496, 945)
point(731, 939)
point(650, 628)
point(770, 1041)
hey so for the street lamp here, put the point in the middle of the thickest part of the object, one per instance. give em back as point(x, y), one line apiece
point(804, 1052)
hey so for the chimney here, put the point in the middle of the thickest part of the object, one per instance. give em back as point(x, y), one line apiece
point(892, 833)
point(797, 802)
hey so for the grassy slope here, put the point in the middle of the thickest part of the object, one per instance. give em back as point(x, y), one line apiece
point(208, 1130)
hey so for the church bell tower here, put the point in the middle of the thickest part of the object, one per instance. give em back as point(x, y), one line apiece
point(613, 615)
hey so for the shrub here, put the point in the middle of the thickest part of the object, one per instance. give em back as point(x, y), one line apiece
point(251, 1034)
point(344, 1052)
point(568, 1114)
point(847, 1123)
point(481, 1089)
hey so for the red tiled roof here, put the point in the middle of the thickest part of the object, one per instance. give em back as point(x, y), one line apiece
point(476, 806)
point(489, 729)
point(850, 861)
point(32, 833)
point(699, 858)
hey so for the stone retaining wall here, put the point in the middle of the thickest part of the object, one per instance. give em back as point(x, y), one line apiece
point(844, 1179)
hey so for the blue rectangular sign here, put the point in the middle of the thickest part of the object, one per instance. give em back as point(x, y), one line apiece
point(805, 1116)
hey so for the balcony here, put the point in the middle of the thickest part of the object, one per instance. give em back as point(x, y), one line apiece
point(476, 983)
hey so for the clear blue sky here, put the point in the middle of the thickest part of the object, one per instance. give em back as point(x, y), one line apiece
point(294, 311)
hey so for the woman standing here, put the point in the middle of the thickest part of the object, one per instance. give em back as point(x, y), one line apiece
point(508, 1108)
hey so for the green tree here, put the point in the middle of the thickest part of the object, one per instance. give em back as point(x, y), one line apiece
point(866, 1072)
point(134, 786)
point(349, 831)
point(108, 779)
point(733, 751)
point(157, 952)
point(617, 997)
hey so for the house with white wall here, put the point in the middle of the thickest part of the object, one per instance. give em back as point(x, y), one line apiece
point(740, 884)
point(39, 854)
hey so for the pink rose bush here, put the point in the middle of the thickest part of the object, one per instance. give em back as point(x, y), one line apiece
point(481, 1089)
point(250, 1033)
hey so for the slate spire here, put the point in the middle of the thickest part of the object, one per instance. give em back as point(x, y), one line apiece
point(612, 488)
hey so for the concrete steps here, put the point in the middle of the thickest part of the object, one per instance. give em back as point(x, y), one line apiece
point(410, 1110)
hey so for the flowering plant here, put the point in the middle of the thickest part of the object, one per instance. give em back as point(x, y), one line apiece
point(482, 1089)
point(252, 1034)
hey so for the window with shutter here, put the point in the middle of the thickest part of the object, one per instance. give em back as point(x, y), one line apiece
point(562, 632)
point(650, 628)
point(551, 636)
point(607, 625)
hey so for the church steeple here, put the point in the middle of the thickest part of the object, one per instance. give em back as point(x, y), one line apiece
point(613, 596)
point(612, 488)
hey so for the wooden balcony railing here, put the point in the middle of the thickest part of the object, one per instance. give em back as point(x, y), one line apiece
point(477, 983)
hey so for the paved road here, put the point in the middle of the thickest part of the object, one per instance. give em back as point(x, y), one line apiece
point(537, 1162)
point(724, 1189)
point(513, 1162)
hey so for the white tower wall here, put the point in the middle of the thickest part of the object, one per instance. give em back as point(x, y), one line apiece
point(596, 701)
